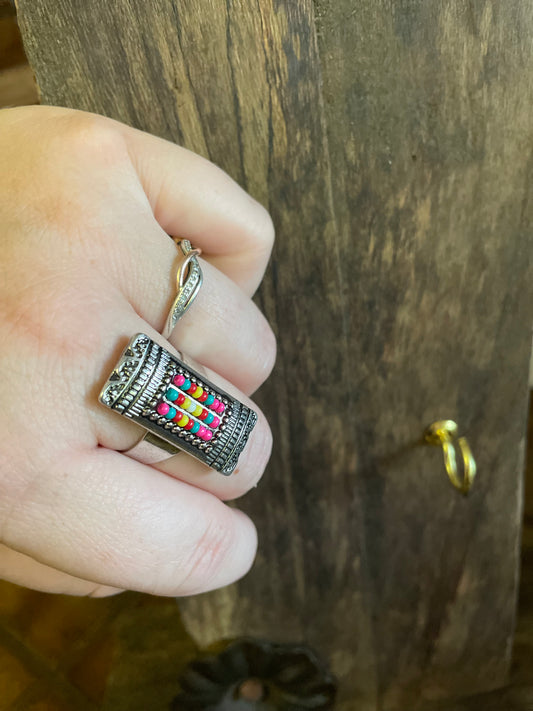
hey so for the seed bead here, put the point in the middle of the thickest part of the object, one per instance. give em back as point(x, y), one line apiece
point(163, 408)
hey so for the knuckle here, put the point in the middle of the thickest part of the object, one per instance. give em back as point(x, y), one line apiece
point(213, 546)
point(266, 351)
point(269, 351)
point(264, 229)
point(91, 137)
point(45, 315)
point(57, 179)
point(252, 463)
point(262, 448)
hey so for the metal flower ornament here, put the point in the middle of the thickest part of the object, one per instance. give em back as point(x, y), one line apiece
point(257, 675)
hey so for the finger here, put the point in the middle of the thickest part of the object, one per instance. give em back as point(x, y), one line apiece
point(194, 199)
point(22, 570)
point(101, 516)
point(223, 329)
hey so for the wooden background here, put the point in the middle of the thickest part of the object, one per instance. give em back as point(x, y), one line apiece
point(17, 84)
point(392, 145)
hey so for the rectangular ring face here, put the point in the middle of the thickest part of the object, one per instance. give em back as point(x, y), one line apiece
point(161, 393)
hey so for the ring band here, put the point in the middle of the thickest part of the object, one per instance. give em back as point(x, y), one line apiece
point(179, 408)
point(188, 283)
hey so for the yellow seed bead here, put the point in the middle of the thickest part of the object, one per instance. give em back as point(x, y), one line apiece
point(198, 392)
point(183, 420)
point(198, 410)
point(186, 403)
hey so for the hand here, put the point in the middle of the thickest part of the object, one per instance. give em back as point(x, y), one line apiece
point(86, 207)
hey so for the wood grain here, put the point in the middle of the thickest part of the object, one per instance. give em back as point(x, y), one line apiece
point(392, 144)
point(508, 699)
point(432, 141)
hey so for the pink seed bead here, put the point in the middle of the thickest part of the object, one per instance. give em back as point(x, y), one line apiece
point(201, 432)
point(215, 404)
point(163, 408)
point(179, 380)
point(221, 408)
point(208, 435)
point(215, 423)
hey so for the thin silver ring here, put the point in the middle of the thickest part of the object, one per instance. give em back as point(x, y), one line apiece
point(188, 282)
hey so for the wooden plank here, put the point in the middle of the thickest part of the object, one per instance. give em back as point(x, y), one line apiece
point(7, 8)
point(275, 79)
point(391, 142)
point(11, 50)
point(430, 132)
point(509, 699)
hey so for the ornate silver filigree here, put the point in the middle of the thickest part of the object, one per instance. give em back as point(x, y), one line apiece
point(188, 283)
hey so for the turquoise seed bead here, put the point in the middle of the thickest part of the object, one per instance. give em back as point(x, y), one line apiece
point(186, 385)
point(171, 394)
point(171, 413)
point(210, 400)
point(195, 427)
point(209, 419)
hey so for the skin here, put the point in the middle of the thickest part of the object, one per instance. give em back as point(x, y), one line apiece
point(86, 207)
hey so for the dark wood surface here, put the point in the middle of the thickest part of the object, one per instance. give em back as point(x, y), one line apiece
point(17, 84)
point(392, 144)
point(7, 8)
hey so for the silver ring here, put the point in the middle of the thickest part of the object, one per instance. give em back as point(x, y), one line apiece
point(188, 282)
point(180, 409)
